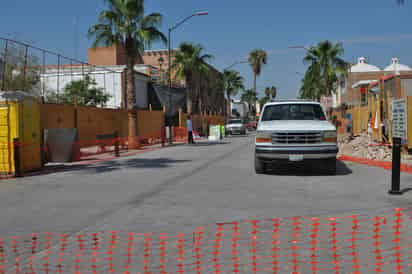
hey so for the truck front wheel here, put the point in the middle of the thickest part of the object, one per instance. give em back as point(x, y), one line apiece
point(260, 167)
point(330, 165)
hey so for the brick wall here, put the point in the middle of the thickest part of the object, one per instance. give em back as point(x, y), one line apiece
point(353, 95)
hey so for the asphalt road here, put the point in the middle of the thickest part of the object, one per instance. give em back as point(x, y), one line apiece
point(179, 188)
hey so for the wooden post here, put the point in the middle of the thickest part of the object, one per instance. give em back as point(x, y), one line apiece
point(18, 172)
point(180, 117)
point(379, 107)
point(116, 144)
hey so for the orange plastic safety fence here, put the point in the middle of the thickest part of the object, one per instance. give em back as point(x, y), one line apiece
point(348, 244)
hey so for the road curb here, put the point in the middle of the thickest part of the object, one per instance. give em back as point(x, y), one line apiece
point(382, 164)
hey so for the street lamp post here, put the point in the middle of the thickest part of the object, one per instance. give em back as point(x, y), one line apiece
point(299, 47)
point(169, 69)
point(235, 63)
point(199, 13)
point(161, 62)
point(299, 73)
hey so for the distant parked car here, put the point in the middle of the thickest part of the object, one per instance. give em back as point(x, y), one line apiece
point(251, 125)
point(235, 126)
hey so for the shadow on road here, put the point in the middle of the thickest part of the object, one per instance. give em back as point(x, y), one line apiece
point(406, 190)
point(238, 136)
point(307, 169)
point(205, 144)
point(109, 166)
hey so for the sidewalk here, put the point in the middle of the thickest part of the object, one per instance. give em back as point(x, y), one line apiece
point(50, 168)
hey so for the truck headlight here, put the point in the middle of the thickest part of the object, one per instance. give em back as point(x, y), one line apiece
point(263, 137)
point(329, 137)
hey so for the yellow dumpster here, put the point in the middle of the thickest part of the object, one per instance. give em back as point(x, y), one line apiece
point(19, 131)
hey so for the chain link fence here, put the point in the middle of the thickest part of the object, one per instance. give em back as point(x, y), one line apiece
point(57, 78)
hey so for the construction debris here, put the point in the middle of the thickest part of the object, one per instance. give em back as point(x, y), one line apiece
point(363, 147)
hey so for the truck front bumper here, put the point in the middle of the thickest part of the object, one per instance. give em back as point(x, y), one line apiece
point(308, 153)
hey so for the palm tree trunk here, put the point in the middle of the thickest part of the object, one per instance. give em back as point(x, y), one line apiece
point(229, 101)
point(131, 98)
point(200, 103)
point(189, 92)
point(254, 82)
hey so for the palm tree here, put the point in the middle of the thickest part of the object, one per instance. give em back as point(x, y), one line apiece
point(124, 24)
point(189, 61)
point(231, 82)
point(257, 58)
point(249, 96)
point(312, 84)
point(271, 92)
point(263, 101)
point(324, 66)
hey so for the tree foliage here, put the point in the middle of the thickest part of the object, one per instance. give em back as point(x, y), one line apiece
point(81, 92)
point(124, 24)
point(232, 82)
point(325, 64)
point(263, 100)
point(190, 60)
point(249, 96)
point(271, 92)
point(257, 59)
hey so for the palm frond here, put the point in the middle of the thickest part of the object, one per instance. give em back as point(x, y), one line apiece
point(152, 20)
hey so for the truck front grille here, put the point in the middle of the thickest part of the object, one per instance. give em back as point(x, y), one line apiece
point(296, 137)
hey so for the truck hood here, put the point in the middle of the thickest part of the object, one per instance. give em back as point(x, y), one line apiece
point(292, 125)
point(234, 125)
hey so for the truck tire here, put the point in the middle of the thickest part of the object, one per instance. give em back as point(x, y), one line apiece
point(330, 166)
point(260, 167)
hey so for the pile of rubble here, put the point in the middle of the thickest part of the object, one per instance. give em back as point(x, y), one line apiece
point(362, 147)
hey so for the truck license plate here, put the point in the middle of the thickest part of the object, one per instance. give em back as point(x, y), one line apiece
point(295, 157)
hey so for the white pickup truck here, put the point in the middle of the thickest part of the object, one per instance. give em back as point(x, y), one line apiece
point(295, 131)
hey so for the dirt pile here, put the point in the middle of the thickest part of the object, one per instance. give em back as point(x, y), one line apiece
point(362, 147)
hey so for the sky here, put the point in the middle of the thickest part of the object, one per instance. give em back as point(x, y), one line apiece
point(376, 29)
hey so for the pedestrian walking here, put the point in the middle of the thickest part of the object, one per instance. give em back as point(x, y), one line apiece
point(385, 131)
point(349, 126)
point(189, 127)
point(370, 126)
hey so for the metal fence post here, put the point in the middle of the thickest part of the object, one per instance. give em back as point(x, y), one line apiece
point(3, 84)
point(396, 167)
point(25, 67)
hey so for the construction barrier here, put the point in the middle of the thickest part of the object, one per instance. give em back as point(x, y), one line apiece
point(369, 162)
point(341, 244)
point(214, 133)
point(86, 149)
point(180, 135)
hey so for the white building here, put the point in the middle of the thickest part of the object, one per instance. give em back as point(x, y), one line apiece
point(396, 66)
point(363, 66)
point(239, 107)
point(112, 79)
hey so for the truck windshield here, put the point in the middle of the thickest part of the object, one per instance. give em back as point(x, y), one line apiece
point(293, 112)
point(235, 121)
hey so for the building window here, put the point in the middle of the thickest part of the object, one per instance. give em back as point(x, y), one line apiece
point(364, 97)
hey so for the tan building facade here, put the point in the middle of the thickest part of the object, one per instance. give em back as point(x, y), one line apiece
point(155, 63)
